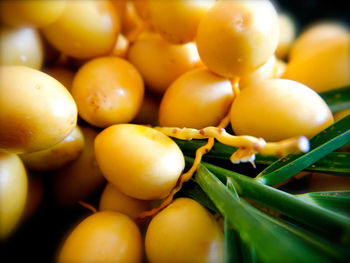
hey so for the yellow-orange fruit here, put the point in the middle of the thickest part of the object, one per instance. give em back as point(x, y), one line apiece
point(86, 29)
point(114, 200)
point(13, 192)
point(31, 12)
point(36, 111)
point(184, 232)
point(277, 109)
point(160, 62)
point(314, 35)
point(140, 161)
point(56, 156)
point(103, 237)
point(197, 99)
point(236, 37)
point(177, 21)
point(287, 35)
point(21, 46)
point(108, 90)
point(324, 67)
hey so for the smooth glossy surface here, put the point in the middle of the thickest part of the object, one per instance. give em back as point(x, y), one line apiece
point(278, 109)
point(177, 21)
point(36, 111)
point(330, 65)
point(31, 12)
point(114, 200)
point(140, 161)
point(58, 155)
point(86, 29)
point(108, 90)
point(160, 62)
point(103, 237)
point(13, 192)
point(236, 37)
point(21, 46)
point(184, 232)
point(197, 99)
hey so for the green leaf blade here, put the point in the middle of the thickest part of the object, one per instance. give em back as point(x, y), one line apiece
point(330, 224)
point(258, 233)
point(337, 99)
point(338, 201)
point(323, 143)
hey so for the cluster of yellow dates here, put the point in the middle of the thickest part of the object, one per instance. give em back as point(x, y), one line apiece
point(119, 64)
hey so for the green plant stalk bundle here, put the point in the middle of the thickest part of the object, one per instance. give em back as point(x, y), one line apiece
point(272, 238)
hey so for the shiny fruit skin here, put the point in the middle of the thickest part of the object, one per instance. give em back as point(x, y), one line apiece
point(314, 35)
point(160, 62)
point(21, 46)
point(13, 193)
point(108, 90)
point(86, 29)
point(177, 21)
point(58, 155)
point(197, 99)
point(103, 237)
point(277, 109)
point(330, 65)
point(31, 12)
point(184, 232)
point(140, 161)
point(236, 37)
point(36, 111)
point(114, 200)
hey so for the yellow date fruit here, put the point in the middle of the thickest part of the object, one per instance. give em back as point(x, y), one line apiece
point(160, 62)
point(114, 200)
point(287, 35)
point(277, 109)
point(140, 161)
point(197, 99)
point(13, 192)
point(324, 67)
point(184, 232)
point(315, 34)
point(36, 111)
point(236, 37)
point(86, 29)
point(31, 12)
point(56, 156)
point(108, 90)
point(103, 237)
point(177, 21)
point(21, 46)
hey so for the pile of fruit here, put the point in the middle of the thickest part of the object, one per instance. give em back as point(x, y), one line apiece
point(186, 130)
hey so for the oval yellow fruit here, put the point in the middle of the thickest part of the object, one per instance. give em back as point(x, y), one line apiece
point(13, 192)
point(277, 109)
point(114, 200)
point(140, 161)
point(184, 232)
point(236, 37)
point(56, 156)
point(103, 237)
point(36, 111)
point(21, 46)
point(108, 90)
point(197, 99)
point(330, 65)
